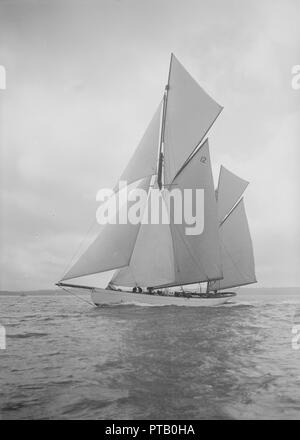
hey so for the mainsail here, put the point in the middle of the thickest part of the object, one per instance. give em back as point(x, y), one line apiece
point(152, 261)
point(197, 257)
point(237, 251)
point(164, 255)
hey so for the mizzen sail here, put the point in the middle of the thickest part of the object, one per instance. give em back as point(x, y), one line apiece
point(237, 251)
point(229, 191)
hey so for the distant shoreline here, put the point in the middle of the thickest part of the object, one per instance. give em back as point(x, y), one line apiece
point(33, 293)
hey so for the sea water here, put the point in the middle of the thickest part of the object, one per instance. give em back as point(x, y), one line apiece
point(66, 359)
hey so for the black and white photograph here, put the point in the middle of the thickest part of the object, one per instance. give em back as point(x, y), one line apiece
point(149, 212)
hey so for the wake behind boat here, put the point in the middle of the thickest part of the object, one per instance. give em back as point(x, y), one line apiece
point(147, 260)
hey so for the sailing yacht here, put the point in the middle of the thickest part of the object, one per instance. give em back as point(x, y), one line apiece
point(153, 264)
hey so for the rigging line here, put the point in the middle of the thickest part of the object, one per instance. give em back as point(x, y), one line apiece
point(231, 210)
point(159, 137)
point(191, 157)
point(77, 296)
point(170, 150)
point(167, 94)
point(198, 146)
point(161, 149)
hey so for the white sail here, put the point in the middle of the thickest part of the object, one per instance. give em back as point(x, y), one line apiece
point(237, 251)
point(149, 254)
point(166, 255)
point(143, 163)
point(190, 113)
point(230, 189)
point(112, 248)
point(124, 277)
point(197, 257)
point(152, 261)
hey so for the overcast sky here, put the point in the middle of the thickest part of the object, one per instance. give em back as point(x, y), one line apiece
point(83, 80)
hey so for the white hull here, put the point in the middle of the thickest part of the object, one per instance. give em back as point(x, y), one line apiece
point(102, 297)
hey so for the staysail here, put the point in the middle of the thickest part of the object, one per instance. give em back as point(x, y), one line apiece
point(237, 251)
point(190, 112)
point(229, 191)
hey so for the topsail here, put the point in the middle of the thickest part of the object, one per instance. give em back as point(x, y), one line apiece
point(190, 112)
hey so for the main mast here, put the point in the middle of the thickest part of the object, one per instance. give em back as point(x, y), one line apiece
point(160, 176)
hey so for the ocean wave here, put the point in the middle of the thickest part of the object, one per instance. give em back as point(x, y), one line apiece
point(236, 304)
point(233, 360)
point(27, 335)
point(86, 404)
